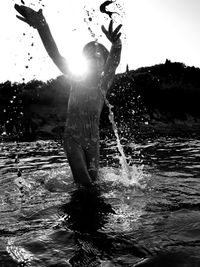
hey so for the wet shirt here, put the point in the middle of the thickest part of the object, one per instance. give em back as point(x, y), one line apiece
point(84, 110)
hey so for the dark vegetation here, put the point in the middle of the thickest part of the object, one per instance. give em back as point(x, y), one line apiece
point(162, 94)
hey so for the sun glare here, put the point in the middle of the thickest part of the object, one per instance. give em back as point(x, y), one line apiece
point(78, 64)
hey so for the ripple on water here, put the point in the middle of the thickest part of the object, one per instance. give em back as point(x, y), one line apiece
point(160, 222)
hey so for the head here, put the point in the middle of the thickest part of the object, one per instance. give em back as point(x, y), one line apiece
point(96, 54)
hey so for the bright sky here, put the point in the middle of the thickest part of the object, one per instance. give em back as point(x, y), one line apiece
point(153, 30)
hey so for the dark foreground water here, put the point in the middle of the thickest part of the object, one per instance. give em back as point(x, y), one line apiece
point(46, 221)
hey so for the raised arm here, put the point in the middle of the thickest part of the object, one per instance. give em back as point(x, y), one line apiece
point(113, 59)
point(37, 21)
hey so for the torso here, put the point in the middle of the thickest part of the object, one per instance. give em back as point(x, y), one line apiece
point(84, 110)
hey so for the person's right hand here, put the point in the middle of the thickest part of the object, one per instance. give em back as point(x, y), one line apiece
point(30, 16)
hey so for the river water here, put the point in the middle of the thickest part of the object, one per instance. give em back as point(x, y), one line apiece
point(47, 221)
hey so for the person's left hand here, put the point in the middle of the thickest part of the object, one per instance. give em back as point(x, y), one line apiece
point(112, 35)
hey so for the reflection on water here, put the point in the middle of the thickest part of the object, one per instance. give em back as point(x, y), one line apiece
point(47, 221)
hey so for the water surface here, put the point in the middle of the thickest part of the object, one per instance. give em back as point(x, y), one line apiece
point(47, 221)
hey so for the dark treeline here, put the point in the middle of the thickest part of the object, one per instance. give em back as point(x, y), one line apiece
point(27, 108)
point(161, 93)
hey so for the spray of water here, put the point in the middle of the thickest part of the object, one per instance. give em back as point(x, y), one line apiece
point(129, 173)
point(123, 161)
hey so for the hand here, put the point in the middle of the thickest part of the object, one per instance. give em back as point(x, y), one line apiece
point(112, 36)
point(30, 16)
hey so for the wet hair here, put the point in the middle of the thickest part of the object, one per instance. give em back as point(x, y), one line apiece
point(93, 47)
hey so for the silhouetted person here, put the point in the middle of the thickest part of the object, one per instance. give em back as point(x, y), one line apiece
point(81, 137)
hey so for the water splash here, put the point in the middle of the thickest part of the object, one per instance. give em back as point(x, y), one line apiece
point(127, 172)
point(103, 9)
point(113, 175)
point(123, 161)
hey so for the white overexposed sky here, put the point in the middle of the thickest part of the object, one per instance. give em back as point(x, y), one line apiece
point(153, 30)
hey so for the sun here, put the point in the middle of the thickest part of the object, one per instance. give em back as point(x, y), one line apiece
point(77, 64)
